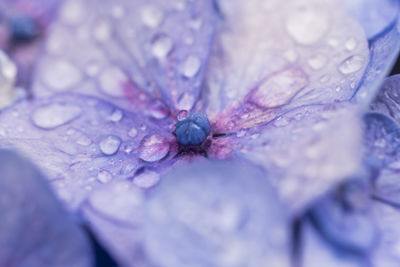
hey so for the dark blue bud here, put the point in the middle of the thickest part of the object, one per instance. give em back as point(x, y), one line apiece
point(192, 130)
point(23, 29)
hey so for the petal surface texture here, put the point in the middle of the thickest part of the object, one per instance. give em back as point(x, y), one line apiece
point(212, 213)
point(129, 51)
point(35, 230)
point(305, 151)
point(82, 143)
point(303, 55)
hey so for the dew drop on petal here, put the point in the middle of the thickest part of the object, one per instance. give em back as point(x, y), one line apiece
point(151, 15)
point(104, 176)
point(307, 26)
point(146, 179)
point(317, 62)
point(153, 148)
point(191, 66)
point(186, 101)
point(55, 115)
point(111, 81)
point(161, 46)
point(351, 44)
point(351, 64)
point(158, 110)
point(102, 31)
point(61, 75)
point(110, 145)
point(133, 132)
point(116, 116)
point(182, 115)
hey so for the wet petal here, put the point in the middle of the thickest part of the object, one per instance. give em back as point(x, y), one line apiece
point(317, 252)
point(384, 49)
point(375, 16)
point(382, 136)
point(35, 230)
point(306, 55)
point(82, 142)
point(129, 51)
point(306, 151)
point(208, 212)
point(386, 252)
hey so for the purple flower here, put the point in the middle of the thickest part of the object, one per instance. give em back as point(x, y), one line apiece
point(210, 133)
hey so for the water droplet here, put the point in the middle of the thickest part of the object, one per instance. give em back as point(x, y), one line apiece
point(241, 133)
point(182, 115)
point(116, 116)
point(60, 75)
point(104, 176)
point(102, 31)
point(196, 23)
point(143, 127)
point(153, 148)
point(111, 81)
point(117, 12)
point(191, 66)
point(351, 44)
point(307, 26)
point(55, 115)
point(83, 140)
point(281, 122)
point(133, 132)
point(146, 179)
point(317, 61)
point(72, 12)
point(186, 101)
point(158, 110)
point(351, 64)
point(110, 145)
point(151, 15)
point(162, 46)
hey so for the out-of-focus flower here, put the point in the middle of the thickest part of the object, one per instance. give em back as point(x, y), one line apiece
point(282, 85)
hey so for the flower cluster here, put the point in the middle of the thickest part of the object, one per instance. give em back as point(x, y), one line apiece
point(212, 133)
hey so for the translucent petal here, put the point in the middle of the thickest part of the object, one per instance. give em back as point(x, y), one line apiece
point(384, 49)
point(129, 52)
point(387, 100)
point(35, 230)
point(317, 252)
point(305, 151)
point(82, 143)
point(210, 213)
point(306, 54)
point(386, 252)
point(375, 16)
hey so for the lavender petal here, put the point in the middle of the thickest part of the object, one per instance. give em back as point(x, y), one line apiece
point(319, 58)
point(129, 52)
point(83, 143)
point(35, 230)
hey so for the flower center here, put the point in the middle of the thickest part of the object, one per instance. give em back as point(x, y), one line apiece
point(192, 130)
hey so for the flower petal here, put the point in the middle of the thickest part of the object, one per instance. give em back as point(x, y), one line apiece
point(82, 142)
point(305, 151)
point(384, 49)
point(317, 252)
point(129, 51)
point(375, 16)
point(382, 136)
point(211, 213)
point(306, 54)
point(35, 230)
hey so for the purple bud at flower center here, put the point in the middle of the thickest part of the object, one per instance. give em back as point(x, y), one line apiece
point(192, 130)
